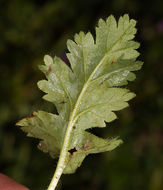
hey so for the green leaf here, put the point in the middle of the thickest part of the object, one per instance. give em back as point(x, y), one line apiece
point(87, 94)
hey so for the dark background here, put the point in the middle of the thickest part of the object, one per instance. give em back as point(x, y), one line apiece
point(30, 29)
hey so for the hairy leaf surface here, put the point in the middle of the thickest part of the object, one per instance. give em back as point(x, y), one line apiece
point(87, 94)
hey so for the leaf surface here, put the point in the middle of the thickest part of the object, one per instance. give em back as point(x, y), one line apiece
point(87, 94)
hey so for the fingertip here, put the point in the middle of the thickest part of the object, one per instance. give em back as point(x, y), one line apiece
point(7, 183)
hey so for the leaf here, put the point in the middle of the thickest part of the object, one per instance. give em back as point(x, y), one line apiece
point(87, 94)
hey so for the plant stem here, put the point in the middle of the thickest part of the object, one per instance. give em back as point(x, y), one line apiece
point(55, 178)
point(62, 159)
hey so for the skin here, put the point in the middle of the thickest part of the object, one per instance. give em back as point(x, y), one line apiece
point(7, 183)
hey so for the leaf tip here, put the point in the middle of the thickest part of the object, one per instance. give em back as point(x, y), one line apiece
point(48, 60)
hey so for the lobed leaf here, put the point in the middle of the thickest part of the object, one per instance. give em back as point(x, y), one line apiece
point(87, 94)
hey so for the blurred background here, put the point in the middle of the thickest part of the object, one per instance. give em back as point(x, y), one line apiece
point(29, 29)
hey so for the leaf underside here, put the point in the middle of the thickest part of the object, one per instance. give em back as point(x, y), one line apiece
point(98, 69)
